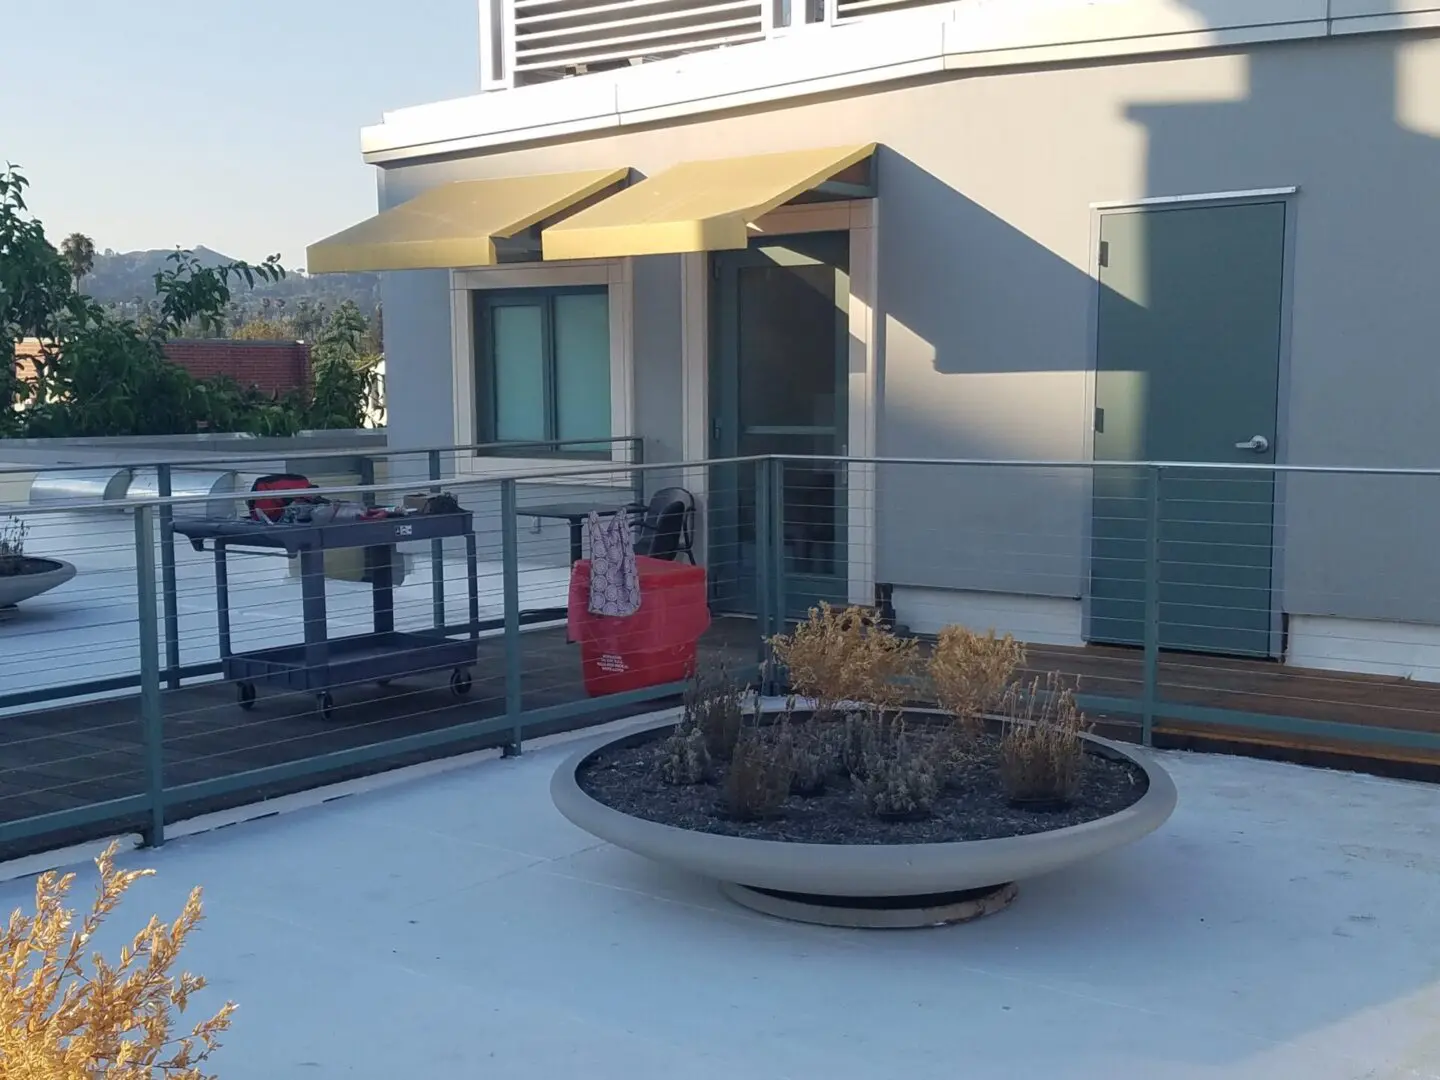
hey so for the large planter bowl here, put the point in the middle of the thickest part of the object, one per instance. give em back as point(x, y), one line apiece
point(36, 576)
point(785, 878)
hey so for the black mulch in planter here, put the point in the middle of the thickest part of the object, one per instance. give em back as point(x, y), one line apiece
point(27, 564)
point(971, 807)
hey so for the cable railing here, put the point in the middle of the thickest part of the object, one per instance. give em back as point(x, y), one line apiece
point(175, 672)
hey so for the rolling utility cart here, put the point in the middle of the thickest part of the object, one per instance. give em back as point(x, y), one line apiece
point(323, 663)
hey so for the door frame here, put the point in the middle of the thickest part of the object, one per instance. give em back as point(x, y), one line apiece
point(1289, 195)
point(861, 219)
point(725, 372)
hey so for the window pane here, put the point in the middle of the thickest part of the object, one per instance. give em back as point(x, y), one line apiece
point(582, 365)
point(519, 359)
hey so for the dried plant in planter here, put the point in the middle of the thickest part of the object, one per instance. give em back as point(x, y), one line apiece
point(64, 1019)
point(836, 656)
point(715, 706)
point(684, 757)
point(12, 545)
point(757, 783)
point(1042, 754)
point(899, 781)
point(812, 751)
point(868, 734)
point(970, 672)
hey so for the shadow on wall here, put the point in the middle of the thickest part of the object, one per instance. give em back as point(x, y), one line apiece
point(971, 296)
point(1360, 381)
point(1005, 308)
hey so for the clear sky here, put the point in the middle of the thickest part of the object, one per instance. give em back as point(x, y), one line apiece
point(229, 123)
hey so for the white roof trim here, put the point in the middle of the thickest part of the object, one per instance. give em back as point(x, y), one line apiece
point(969, 36)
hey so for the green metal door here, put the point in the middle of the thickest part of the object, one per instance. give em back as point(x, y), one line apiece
point(1188, 354)
point(778, 386)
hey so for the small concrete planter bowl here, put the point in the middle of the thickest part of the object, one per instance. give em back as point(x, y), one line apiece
point(36, 576)
point(870, 885)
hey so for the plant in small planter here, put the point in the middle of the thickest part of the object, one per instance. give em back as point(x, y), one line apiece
point(22, 575)
point(1042, 753)
point(13, 532)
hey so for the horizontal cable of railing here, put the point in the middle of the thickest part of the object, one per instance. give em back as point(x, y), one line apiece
point(777, 535)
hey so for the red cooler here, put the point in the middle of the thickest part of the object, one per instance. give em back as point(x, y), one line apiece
point(654, 646)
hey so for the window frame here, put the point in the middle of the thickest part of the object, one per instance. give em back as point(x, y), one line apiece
point(482, 360)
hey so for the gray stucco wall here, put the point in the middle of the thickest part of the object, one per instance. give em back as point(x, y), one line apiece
point(985, 219)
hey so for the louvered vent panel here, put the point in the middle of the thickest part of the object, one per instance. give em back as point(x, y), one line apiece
point(558, 38)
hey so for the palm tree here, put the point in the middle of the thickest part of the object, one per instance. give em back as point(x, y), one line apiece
point(78, 251)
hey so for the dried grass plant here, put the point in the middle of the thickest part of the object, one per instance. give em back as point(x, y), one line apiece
point(13, 532)
point(838, 656)
point(64, 1019)
point(757, 783)
point(684, 758)
point(715, 706)
point(1042, 754)
point(971, 672)
point(813, 750)
point(899, 780)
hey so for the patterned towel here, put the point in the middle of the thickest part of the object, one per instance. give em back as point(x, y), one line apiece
point(614, 581)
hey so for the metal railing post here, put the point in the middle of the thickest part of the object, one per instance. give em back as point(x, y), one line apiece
point(1151, 683)
point(637, 476)
point(151, 719)
point(169, 595)
point(763, 599)
point(437, 554)
point(510, 573)
point(777, 542)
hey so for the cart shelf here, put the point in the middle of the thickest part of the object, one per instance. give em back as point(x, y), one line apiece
point(323, 664)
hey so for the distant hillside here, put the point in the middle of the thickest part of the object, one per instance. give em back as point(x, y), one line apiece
point(120, 278)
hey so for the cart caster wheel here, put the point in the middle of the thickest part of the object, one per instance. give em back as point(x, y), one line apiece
point(325, 706)
point(460, 682)
point(245, 694)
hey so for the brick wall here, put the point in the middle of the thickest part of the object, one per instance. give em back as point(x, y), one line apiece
point(273, 366)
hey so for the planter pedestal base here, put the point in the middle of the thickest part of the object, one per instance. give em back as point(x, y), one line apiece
point(875, 912)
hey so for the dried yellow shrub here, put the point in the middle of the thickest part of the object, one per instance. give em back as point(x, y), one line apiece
point(64, 1019)
point(1042, 755)
point(970, 672)
point(837, 656)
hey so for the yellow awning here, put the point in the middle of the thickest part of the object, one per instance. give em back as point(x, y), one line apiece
point(697, 206)
point(455, 224)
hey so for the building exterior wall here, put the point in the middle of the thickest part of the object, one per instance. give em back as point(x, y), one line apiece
point(987, 186)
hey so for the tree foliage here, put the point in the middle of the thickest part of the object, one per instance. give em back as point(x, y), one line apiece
point(63, 1018)
point(100, 373)
point(78, 251)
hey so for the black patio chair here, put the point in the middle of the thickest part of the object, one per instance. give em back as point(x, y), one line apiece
point(666, 528)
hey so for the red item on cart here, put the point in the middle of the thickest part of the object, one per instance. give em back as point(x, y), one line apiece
point(654, 646)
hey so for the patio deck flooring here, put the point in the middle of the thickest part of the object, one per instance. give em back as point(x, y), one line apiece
point(71, 755)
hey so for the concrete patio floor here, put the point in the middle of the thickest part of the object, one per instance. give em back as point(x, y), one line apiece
point(1285, 923)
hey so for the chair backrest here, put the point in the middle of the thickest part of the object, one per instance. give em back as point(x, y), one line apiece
point(667, 530)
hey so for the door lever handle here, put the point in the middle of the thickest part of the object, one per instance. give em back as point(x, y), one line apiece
point(1259, 444)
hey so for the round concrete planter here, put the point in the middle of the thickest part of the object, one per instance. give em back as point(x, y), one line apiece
point(864, 871)
point(37, 576)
